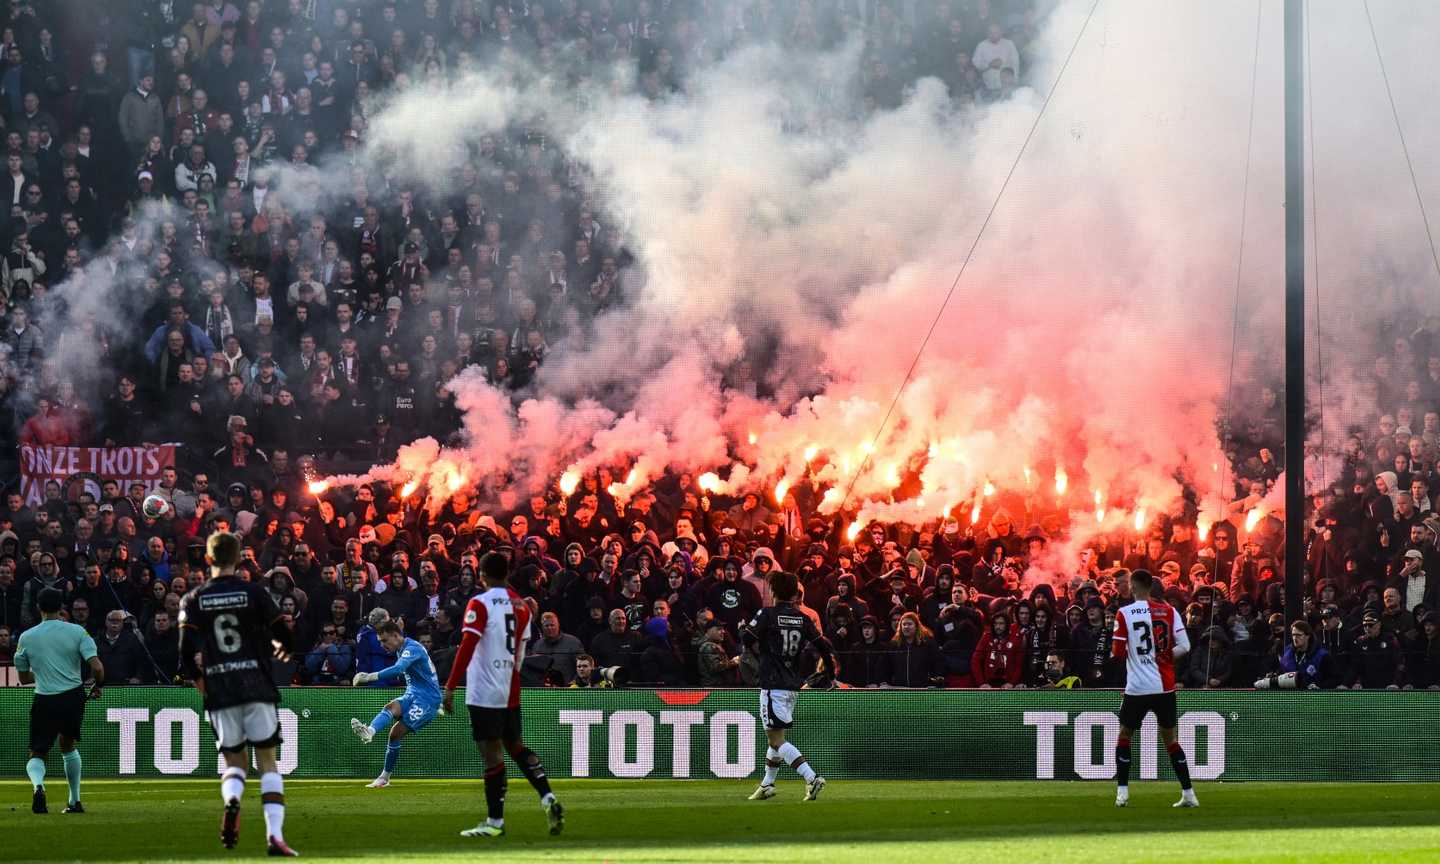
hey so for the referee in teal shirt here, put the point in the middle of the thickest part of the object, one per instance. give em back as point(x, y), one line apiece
point(51, 655)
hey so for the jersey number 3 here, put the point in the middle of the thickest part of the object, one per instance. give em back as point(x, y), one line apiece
point(1145, 644)
point(227, 633)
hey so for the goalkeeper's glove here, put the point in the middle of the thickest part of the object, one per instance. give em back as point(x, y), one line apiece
point(363, 678)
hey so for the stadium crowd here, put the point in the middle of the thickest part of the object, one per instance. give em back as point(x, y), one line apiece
point(268, 338)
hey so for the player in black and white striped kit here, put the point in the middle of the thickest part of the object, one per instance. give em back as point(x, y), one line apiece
point(781, 635)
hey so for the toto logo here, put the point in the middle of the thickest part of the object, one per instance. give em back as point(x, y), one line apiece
point(176, 740)
point(1097, 762)
point(630, 742)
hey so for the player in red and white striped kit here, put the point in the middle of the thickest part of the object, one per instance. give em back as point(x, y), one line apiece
point(1150, 635)
point(494, 630)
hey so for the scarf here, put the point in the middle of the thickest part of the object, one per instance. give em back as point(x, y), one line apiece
point(218, 324)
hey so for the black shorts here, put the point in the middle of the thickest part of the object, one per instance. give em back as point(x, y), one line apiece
point(491, 724)
point(58, 714)
point(1134, 708)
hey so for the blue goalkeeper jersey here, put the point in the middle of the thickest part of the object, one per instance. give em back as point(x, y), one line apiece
point(414, 664)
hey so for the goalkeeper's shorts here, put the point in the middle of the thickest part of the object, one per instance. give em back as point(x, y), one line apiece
point(416, 713)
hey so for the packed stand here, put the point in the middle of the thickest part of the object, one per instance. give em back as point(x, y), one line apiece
point(266, 336)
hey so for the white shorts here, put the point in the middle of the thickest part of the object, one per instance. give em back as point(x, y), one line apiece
point(254, 724)
point(777, 708)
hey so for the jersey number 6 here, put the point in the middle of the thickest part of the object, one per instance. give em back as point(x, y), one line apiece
point(227, 633)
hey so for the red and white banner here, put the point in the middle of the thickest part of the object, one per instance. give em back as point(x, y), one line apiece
point(82, 469)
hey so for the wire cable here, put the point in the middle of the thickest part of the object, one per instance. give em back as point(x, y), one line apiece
point(1315, 241)
point(1400, 131)
point(940, 313)
point(1235, 320)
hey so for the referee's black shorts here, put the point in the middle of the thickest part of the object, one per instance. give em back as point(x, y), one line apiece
point(491, 724)
point(56, 714)
point(1134, 708)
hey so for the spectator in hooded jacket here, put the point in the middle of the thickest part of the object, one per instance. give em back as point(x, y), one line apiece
point(868, 663)
point(999, 659)
point(1422, 660)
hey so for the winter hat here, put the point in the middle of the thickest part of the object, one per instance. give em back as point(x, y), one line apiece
point(657, 628)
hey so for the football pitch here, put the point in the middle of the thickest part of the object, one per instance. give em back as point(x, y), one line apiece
point(710, 821)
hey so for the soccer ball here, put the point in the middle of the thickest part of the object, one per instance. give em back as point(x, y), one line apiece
point(154, 507)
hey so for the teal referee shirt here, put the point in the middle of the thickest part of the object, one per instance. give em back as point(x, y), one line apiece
point(54, 651)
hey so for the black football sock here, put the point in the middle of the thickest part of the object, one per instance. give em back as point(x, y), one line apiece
point(1122, 762)
point(530, 766)
point(1177, 761)
point(495, 784)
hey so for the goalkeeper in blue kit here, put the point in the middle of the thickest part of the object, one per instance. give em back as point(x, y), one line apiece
point(414, 710)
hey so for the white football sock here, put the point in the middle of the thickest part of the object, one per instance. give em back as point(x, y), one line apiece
point(792, 756)
point(232, 785)
point(772, 766)
point(272, 784)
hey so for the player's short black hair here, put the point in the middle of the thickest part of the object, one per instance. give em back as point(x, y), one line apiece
point(50, 601)
point(784, 585)
point(391, 626)
point(1142, 578)
point(495, 567)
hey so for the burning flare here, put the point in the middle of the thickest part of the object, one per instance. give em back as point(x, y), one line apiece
point(780, 489)
point(975, 512)
point(709, 482)
point(1062, 480)
point(1140, 519)
point(1099, 506)
point(754, 438)
point(569, 482)
point(409, 488)
point(989, 488)
point(1202, 527)
point(317, 487)
point(810, 453)
point(455, 482)
point(853, 531)
point(1253, 518)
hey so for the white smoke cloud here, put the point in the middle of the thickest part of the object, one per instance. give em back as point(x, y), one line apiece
point(1090, 334)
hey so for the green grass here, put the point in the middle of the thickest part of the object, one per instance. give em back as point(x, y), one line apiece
point(710, 821)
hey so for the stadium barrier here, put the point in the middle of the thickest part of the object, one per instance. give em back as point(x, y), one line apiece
point(879, 734)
